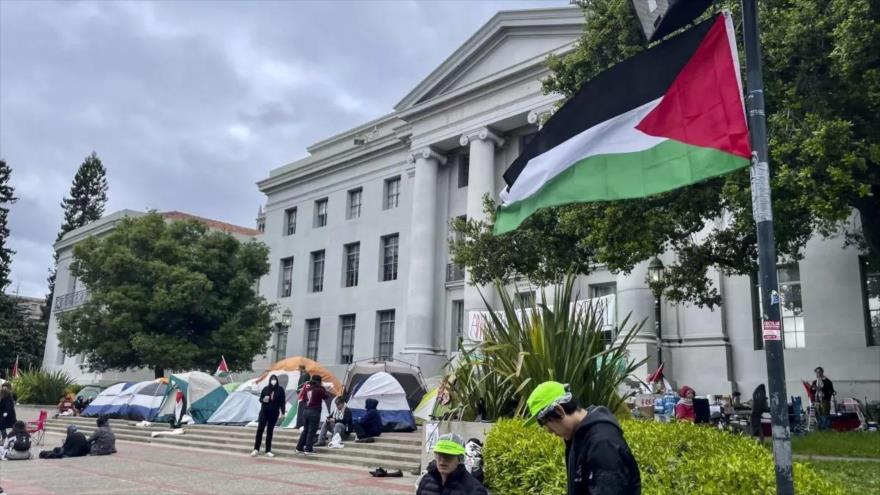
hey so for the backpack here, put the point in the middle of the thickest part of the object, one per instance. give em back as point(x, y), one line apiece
point(22, 443)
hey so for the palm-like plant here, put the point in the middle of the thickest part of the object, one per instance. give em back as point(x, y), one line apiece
point(523, 347)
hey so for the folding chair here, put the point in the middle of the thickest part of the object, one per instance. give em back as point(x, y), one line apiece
point(37, 429)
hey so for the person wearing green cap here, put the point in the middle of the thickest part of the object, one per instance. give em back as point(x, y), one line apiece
point(446, 473)
point(597, 458)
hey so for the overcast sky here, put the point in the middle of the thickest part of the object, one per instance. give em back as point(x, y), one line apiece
point(188, 104)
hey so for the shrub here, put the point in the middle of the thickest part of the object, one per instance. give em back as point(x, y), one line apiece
point(672, 457)
point(41, 387)
point(73, 389)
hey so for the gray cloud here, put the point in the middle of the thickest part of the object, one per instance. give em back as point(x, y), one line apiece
point(188, 104)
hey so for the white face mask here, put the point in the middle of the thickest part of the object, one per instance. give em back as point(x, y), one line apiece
point(273, 383)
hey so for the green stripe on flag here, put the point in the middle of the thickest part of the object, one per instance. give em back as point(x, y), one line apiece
point(664, 167)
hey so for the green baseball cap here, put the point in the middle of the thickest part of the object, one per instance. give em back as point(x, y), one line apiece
point(451, 444)
point(545, 397)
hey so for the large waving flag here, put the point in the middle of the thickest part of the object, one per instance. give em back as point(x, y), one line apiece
point(666, 118)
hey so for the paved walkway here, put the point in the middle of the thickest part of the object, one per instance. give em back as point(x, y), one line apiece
point(142, 469)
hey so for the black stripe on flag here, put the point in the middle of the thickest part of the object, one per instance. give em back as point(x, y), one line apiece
point(635, 81)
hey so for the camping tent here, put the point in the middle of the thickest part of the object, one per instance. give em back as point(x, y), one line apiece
point(409, 377)
point(142, 400)
point(108, 402)
point(333, 385)
point(204, 394)
point(240, 408)
point(393, 406)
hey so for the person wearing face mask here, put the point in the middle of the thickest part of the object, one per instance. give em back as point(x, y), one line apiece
point(446, 473)
point(272, 405)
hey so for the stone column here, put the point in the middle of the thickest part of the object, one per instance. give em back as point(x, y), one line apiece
point(634, 298)
point(481, 181)
point(422, 279)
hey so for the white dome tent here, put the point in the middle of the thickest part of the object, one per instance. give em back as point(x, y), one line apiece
point(393, 406)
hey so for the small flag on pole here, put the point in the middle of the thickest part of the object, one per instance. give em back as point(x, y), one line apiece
point(666, 118)
point(222, 369)
point(15, 368)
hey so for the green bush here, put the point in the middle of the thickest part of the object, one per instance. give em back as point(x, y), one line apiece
point(73, 389)
point(672, 457)
point(41, 387)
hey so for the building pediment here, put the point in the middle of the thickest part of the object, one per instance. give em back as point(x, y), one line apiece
point(509, 40)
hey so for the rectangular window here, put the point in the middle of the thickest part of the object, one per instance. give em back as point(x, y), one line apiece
point(525, 299)
point(286, 277)
point(457, 318)
point(290, 221)
point(602, 290)
point(871, 298)
point(318, 271)
point(392, 193)
point(281, 343)
point(354, 203)
point(464, 165)
point(791, 306)
point(386, 334)
point(313, 328)
point(352, 261)
point(389, 257)
point(320, 213)
point(346, 339)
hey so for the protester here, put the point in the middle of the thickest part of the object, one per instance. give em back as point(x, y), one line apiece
point(313, 401)
point(446, 473)
point(304, 379)
point(66, 404)
point(339, 422)
point(75, 445)
point(598, 459)
point(369, 425)
point(273, 403)
point(103, 440)
point(684, 410)
point(7, 409)
point(822, 390)
point(17, 446)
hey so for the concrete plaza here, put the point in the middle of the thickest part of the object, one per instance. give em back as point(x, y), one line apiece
point(141, 469)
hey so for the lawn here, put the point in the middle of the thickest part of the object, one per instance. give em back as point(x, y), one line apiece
point(850, 444)
point(853, 476)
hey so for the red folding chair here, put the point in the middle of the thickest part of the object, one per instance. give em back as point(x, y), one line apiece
point(36, 429)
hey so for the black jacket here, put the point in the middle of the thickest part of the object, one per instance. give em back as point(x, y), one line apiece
point(826, 389)
point(7, 405)
point(460, 482)
point(277, 401)
point(75, 445)
point(371, 421)
point(598, 459)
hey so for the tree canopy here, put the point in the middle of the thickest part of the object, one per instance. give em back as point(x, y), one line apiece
point(168, 295)
point(822, 86)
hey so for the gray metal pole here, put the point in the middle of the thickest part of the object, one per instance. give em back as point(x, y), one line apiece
point(658, 328)
point(763, 213)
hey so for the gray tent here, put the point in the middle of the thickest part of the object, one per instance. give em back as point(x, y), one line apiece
point(240, 408)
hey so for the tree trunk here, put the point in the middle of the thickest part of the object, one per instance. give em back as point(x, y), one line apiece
point(159, 372)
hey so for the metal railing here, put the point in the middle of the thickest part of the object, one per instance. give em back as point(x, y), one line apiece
point(71, 300)
point(454, 273)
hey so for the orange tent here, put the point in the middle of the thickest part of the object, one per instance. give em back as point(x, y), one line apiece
point(312, 367)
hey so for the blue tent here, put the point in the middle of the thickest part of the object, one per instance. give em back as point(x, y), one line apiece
point(393, 406)
point(136, 401)
point(109, 402)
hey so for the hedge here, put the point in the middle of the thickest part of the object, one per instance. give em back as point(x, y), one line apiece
point(672, 457)
point(41, 387)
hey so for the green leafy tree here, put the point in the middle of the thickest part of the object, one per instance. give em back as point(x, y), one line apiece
point(88, 197)
point(20, 336)
point(170, 295)
point(822, 77)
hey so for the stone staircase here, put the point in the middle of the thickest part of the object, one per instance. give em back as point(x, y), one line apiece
point(391, 450)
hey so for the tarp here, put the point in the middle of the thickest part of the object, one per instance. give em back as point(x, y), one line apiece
point(393, 406)
point(409, 377)
point(312, 368)
point(240, 408)
point(108, 402)
point(204, 394)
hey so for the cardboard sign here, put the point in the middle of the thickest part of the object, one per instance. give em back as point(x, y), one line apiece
point(772, 330)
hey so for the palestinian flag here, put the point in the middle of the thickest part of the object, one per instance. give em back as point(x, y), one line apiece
point(222, 372)
point(666, 118)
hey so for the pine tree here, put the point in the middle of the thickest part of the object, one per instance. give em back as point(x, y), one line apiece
point(7, 197)
point(88, 197)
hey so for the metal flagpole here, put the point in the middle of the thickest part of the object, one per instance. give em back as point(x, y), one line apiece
point(762, 210)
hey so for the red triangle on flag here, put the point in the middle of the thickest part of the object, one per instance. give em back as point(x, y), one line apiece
point(703, 106)
point(222, 367)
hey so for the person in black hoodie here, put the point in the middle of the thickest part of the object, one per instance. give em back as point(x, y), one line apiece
point(597, 458)
point(7, 409)
point(446, 473)
point(75, 445)
point(273, 404)
point(369, 425)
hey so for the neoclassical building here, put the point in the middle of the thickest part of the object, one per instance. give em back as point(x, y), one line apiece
point(358, 235)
